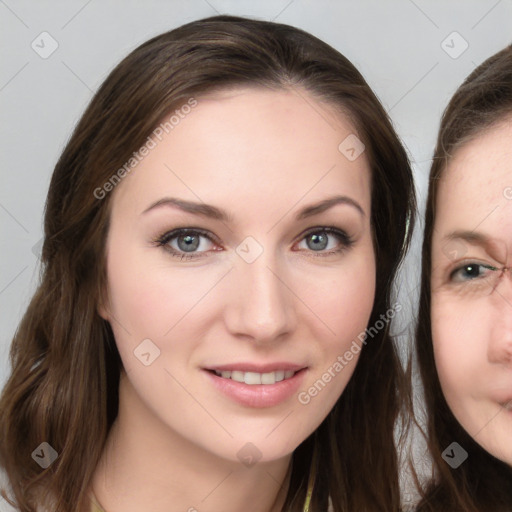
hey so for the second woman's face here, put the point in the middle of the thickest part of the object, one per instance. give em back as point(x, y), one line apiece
point(240, 270)
point(472, 288)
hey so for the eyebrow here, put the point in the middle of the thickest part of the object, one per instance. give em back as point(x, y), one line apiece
point(208, 210)
point(471, 237)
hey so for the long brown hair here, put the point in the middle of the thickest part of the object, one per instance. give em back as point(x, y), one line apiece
point(482, 483)
point(65, 366)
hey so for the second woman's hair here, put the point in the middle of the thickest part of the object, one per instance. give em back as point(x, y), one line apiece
point(482, 483)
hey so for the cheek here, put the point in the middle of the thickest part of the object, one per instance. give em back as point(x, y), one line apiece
point(357, 290)
point(150, 298)
point(345, 303)
point(458, 337)
point(137, 300)
point(351, 310)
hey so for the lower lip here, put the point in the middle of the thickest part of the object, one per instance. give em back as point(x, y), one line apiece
point(258, 395)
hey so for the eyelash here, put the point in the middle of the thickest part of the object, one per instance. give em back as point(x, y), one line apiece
point(163, 240)
point(465, 265)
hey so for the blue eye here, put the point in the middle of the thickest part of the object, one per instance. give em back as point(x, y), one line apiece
point(185, 243)
point(470, 272)
point(320, 239)
point(190, 243)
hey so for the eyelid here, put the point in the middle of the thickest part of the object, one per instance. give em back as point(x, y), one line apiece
point(164, 239)
point(346, 241)
point(169, 235)
point(457, 267)
point(344, 237)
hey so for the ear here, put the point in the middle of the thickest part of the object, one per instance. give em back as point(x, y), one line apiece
point(103, 304)
point(102, 311)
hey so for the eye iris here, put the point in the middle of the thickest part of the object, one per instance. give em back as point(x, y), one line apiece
point(188, 243)
point(319, 241)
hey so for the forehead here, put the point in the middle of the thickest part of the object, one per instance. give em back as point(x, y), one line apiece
point(472, 189)
point(258, 141)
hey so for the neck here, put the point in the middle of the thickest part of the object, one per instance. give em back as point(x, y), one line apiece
point(148, 466)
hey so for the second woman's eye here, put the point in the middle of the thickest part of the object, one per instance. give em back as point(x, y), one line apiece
point(470, 272)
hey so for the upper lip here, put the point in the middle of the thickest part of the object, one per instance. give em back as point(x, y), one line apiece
point(503, 399)
point(257, 368)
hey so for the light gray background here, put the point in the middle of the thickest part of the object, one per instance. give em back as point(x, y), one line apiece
point(396, 44)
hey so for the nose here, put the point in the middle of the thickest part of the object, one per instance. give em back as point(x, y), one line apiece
point(260, 305)
point(499, 350)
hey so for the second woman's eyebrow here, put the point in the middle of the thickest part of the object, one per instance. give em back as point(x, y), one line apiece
point(493, 246)
point(471, 237)
point(207, 210)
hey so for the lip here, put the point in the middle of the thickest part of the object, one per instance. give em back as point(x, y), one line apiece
point(507, 405)
point(257, 395)
point(258, 368)
point(503, 396)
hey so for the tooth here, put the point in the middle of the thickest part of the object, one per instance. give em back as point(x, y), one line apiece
point(268, 378)
point(279, 375)
point(252, 378)
point(238, 376)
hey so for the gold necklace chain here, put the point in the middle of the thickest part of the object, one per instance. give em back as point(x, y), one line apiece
point(311, 482)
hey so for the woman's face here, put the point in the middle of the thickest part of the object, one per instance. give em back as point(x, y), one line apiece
point(471, 294)
point(240, 268)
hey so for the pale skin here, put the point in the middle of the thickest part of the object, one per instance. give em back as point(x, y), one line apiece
point(262, 156)
point(472, 288)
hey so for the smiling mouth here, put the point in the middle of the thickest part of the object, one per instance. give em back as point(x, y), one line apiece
point(254, 378)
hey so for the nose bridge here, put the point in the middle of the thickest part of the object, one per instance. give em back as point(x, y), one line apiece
point(500, 344)
point(262, 306)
